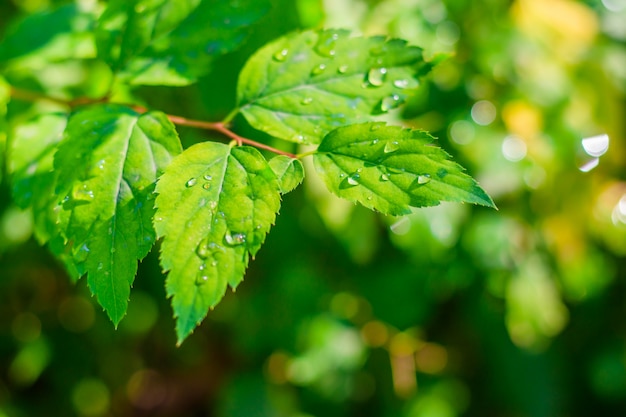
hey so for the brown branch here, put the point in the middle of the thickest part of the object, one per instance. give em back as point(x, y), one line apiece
point(220, 127)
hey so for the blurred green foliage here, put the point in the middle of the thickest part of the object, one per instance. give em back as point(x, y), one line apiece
point(451, 311)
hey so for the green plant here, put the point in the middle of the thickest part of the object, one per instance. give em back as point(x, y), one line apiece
point(106, 175)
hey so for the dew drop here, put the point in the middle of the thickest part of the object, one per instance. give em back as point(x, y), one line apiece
point(82, 253)
point(82, 193)
point(307, 100)
point(420, 181)
point(350, 181)
point(403, 84)
point(377, 76)
point(391, 146)
point(384, 177)
point(342, 69)
point(281, 55)
point(319, 69)
point(191, 182)
point(101, 164)
point(202, 277)
point(203, 250)
point(369, 198)
point(213, 204)
point(213, 263)
point(391, 102)
point(375, 127)
point(234, 239)
point(206, 185)
point(325, 45)
point(207, 177)
point(423, 179)
point(375, 141)
point(100, 266)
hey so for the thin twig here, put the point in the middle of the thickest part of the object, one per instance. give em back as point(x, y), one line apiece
point(220, 127)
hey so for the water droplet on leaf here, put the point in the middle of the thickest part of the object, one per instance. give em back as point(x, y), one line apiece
point(391, 102)
point(82, 254)
point(234, 239)
point(384, 177)
point(202, 277)
point(191, 182)
point(377, 76)
point(307, 100)
point(375, 127)
point(325, 45)
point(342, 69)
point(207, 177)
point(203, 249)
point(350, 181)
point(319, 69)
point(423, 179)
point(206, 185)
point(391, 146)
point(81, 192)
point(281, 55)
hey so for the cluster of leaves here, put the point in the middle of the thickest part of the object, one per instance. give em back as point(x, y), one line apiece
point(106, 180)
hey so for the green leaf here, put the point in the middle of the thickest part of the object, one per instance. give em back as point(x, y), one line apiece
point(172, 42)
point(215, 205)
point(304, 85)
point(33, 145)
point(59, 34)
point(5, 97)
point(107, 166)
point(289, 172)
point(391, 169)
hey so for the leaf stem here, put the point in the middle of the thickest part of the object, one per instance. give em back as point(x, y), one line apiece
point(221, 127)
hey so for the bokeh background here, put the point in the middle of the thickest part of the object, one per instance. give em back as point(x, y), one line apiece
point(452, 311)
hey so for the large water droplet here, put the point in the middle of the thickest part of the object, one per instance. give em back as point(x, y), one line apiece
point(206, 185)
point(307, 100)
point(350, 181)
point(384, 177)
point(377, 76)
point(202, 277)
point(234, 239)
point(191, 182)
point(207, 177)
point(391, 146)
point(421, 180)
point(281, 55)
point(318, 69)
point(342, 69)
point(203, 249)
point(82, 253)
point(391, 102)
point(326, 44)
